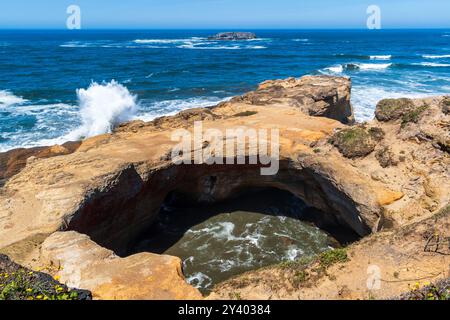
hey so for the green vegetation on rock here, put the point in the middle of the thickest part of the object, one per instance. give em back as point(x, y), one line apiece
point(18, 283)
point(392, 109)
point(404, 109)
point(437, 291)
point(413, 115)
point(328, 258)
point(376, 133)
point(353, 142)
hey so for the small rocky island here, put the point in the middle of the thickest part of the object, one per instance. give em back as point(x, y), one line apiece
point(230, 36)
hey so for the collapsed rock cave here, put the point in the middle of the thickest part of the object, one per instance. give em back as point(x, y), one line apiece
point(220, 220)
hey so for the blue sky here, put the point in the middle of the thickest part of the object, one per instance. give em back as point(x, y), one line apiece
point(244, 14)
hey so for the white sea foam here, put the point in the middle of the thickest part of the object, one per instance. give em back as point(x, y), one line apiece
point(196, 46)
point(430, 56)
point(171, 107)
point(381, 57)
point(432, 64)
point(300, 40)
point(199, 280)
point(293, 253)
point(197, 43)
point(373, 66)
point(356, 66)
point(364, 99)
point(48, 119)
point(258, 39)
point(166, 41)
point(75, 44)
point(335, 69)
point(102, 106)
point(256, 47)
point(7, 99)
point(76, 127)
point(226, 231)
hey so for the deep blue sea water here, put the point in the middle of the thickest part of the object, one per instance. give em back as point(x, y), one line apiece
point(63, 85)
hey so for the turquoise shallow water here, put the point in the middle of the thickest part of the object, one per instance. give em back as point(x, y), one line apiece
point(48, 94)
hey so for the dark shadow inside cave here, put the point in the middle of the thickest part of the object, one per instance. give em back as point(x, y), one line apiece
point(261, 226)
point(181, 214)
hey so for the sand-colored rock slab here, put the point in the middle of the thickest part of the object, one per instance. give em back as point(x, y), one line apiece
point(84, 264)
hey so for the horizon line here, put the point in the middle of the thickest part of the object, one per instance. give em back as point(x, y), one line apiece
point(216, 28)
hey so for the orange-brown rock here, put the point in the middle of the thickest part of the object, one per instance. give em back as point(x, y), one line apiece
point(319, 96)
point(81, 262)
point(11, 162)
point(112, 187)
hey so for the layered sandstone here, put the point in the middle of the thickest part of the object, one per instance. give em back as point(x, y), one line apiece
point(111, 188)
point(83, 263)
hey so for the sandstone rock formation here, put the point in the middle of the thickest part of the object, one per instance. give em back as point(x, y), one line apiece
point(83, 263)
point(316, 96)
point(11, 162)
point(112, 186)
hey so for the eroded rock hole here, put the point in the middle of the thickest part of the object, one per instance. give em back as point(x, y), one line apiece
point(260, 227)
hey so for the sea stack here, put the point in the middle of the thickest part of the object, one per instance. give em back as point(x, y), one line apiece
point(233, 36)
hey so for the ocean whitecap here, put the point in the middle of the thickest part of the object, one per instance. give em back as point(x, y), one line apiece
point(432, 64)
point(429, 56)
point(381, 57)
point(373, 66)
point(7, 99)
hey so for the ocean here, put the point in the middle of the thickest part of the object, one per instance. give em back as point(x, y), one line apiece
point(66, 85)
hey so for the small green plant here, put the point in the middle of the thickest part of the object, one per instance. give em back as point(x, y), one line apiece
point(437, 291)
point(301, 263)
point(235, 296)
point(413, 115)
point(22, 285)
point(376, 133)
point(19, 283)
point(353, 142)
point(299, 277)
point(328, 258)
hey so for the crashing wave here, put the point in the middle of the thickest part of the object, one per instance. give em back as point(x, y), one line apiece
point(103, 106)
point(9, 99)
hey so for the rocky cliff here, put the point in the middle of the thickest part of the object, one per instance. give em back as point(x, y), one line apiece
point(390, 172)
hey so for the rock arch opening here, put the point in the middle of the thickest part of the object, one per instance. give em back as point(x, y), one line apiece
point(256, 228)
point(117, 215)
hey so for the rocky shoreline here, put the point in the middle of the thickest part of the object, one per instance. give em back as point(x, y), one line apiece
point(94, 198)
